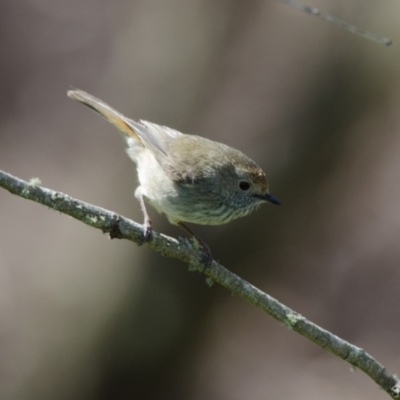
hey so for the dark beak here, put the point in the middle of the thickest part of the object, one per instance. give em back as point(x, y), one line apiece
point(270, 198)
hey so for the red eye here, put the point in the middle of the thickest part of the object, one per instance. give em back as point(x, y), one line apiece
point(244, 185)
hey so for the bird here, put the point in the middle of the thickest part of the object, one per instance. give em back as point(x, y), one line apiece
point(187, 177)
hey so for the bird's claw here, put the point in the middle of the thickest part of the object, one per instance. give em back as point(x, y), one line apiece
point(206, 257)
point(147, 232)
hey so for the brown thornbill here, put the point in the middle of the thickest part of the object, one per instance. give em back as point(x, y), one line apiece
point(186, 177)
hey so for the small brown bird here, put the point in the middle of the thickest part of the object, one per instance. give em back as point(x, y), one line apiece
point(186, 177)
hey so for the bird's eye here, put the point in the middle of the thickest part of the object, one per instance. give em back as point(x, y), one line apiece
point(244, 185)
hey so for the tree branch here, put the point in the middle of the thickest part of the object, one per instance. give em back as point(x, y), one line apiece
point(338, 22)
point(183, 249)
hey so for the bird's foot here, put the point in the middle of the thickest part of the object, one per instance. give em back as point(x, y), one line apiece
point(147, 231)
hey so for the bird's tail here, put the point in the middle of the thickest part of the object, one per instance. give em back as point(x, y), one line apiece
point(107, 112)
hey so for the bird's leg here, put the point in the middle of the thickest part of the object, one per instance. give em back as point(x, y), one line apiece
point(147, 221)
point(207, 258)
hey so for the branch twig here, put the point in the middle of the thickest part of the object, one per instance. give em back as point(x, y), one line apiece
point(338, 22)
point(118, 226)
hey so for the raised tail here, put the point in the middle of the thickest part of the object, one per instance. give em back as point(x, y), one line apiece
point(107, 112)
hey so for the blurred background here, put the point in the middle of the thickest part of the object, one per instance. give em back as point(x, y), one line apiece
point(86, 317)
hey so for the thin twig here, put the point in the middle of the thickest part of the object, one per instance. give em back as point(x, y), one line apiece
point(339, 22)
point(183, 249)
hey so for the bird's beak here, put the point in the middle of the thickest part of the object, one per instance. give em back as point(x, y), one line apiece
point(270, 198)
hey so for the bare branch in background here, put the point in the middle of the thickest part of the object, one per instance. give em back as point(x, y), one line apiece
point(339, 22)
point(184, 250)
